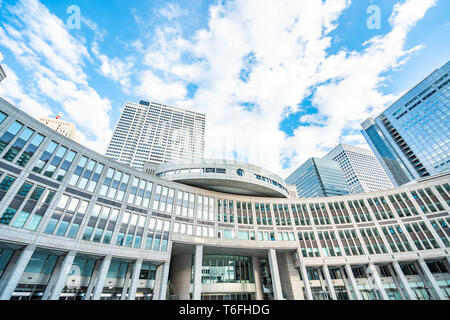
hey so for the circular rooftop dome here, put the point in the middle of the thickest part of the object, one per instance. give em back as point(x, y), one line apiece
point(224, 176)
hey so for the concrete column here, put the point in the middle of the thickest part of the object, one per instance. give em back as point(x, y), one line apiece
point(90, 287)
point(180, 276)
point(197, 283)
point(378, 283)
point(275, 275)
point(13, 279)
point(62, 275)
point(352, 279)
point(401, 276)
point(329, 282)
point(134, 279)
point(158, 277)
point(164, 280)
point(123, 295)
point(306, 283)
point(9, 268)
point(101, 277)
point(426, 271)
point(53, 278)
point(257, 276)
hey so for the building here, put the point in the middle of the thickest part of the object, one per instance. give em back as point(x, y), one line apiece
point(411, 138)
point(75, 224)
point(318, 178)
point(64, 127)
point(224, 176)
point(361, 168)
point(157, 133)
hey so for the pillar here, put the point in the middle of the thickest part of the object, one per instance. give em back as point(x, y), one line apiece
point(134, 279)
point(401, 276)
point(9, 268)
point(197, 283)
point(257, 276)
point(306, 283)
point(378, 283)
point(123, 295)
point(90, 287)
point(329, 282)
point(53, 278)
point(101, 277)
point(16, 272)
point(352, 279)
point(431, 280)
point(62, 275)
point(164, 281)
point(275, 275)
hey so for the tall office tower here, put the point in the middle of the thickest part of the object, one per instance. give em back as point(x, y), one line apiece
point(2, 72)
point(361, 168)
point(64, 127)
point(157, 133)
point(411, 138)
point(319, 178)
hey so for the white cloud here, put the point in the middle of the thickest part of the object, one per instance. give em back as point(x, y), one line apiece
point(289, 40)
point(12, 91)
point(172, 11)
point(114, 69)
point(56, 62)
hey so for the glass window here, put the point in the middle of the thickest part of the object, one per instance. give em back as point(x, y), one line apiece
point(9, 135)
point(18, 144)
point(30, 150)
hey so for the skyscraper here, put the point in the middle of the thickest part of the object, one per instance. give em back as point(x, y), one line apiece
point(361, 168)
point(64, 127)
point(154, 132)
point(411, 138)
point(319, 178)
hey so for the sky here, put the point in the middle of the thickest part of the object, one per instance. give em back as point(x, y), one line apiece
point(279, 81)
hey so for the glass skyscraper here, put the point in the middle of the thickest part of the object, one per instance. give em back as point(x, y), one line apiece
point(411, 138)
point(157, 133)
point(319, 178)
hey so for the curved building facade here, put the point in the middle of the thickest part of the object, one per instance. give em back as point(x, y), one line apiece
point(77, 225)
point(224, 176)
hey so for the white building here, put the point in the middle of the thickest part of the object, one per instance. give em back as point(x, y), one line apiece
point(361, 168)
point(154, 132)
point(64, 127)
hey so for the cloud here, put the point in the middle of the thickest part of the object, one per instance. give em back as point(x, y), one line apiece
point(12, 90)
point(172, 11)
point(289, 43)
point(55, 61)
point(99, 33)
point(114, 69)
point(252, 65)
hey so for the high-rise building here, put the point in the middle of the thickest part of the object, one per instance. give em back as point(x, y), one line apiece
point(411, 138)
point(157, 133)
point(361, 168)
point(64, 127)
point(319, 178)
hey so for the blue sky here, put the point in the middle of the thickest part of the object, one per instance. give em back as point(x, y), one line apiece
point(279, 81)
